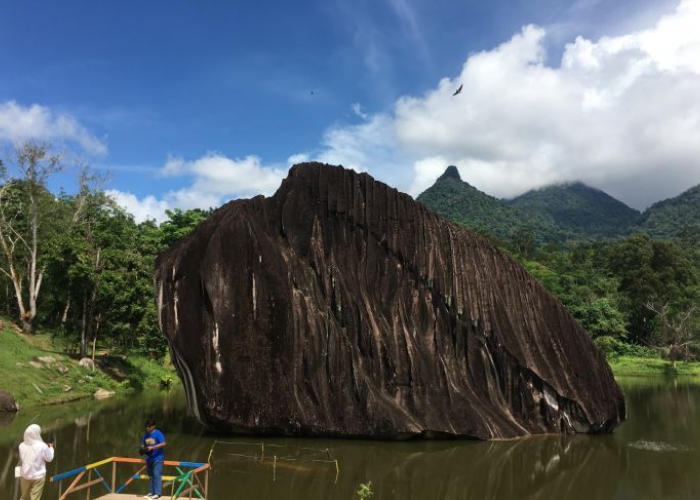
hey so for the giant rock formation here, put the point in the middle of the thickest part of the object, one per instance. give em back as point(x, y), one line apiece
point(341, 307)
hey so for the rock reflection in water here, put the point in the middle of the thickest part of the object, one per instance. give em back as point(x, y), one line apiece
point(532, 468)
point(6, 418)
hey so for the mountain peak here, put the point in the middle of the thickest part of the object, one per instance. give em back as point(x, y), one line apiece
point(450, 173)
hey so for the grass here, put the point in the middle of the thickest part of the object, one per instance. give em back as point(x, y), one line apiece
point(33, 382)
point(630, 366)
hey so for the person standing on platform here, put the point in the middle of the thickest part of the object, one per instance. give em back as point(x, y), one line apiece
point(33, 455)
point(152, 444)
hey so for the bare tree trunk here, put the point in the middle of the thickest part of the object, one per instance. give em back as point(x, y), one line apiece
point(64, 316)
point(91, 304)
point(34, 277)
point(83, 332)
point(94, 345)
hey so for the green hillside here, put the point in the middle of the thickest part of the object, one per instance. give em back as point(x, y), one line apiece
point(676, 218)
point(458, 201)
point(579, 211)
point(38, 370)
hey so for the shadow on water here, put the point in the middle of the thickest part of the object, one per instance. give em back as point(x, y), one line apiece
point(654, 455)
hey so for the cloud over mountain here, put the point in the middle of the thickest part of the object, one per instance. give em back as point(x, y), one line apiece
point(620, 113)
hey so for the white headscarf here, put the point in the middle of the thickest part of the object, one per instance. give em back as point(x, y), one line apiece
point(32, 435)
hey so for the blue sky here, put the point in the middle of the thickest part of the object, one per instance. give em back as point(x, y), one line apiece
point(193, 103)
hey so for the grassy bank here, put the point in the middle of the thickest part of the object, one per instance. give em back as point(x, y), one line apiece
point(37, 372)
point(631, 366)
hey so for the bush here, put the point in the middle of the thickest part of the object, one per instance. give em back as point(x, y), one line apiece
point(613, 348)
point(609, 346)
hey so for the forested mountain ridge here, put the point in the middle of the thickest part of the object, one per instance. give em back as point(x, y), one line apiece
point(461, 202)
point(579, 211)
point(675, 218)
point(562, 212)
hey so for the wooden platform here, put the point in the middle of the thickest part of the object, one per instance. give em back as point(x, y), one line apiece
point(120, 496)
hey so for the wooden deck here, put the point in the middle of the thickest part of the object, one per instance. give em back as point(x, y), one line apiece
point(120, 496)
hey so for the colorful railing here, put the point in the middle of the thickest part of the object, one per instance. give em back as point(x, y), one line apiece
point(187, 484)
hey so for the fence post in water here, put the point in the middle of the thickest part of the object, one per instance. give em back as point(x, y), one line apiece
point(274, 468)
point(206, 485)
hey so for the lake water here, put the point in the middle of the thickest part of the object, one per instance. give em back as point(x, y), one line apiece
point(655, 454)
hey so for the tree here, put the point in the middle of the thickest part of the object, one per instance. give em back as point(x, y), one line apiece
point(600, 317)
point(678, 330)
point(180, 224)
point(25, 206)
point(657, 278)
point(524, 242)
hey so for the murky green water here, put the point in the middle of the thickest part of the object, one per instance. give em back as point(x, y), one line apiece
point(654, 455)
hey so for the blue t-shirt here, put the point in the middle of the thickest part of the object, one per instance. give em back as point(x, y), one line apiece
point(152, 439)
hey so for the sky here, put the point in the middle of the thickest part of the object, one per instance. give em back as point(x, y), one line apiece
point(189, 104)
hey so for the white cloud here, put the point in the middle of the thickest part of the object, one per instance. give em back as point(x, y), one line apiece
point(215, 180)
point(219, 176)
point(19, 124)
point(357, 109)
point(297, 158)
point(142, 209)
point(620, 113)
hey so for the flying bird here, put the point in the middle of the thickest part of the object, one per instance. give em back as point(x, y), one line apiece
point(459, 89)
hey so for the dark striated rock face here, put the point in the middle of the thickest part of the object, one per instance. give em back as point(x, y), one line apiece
point(341, 307)
point(7, 402)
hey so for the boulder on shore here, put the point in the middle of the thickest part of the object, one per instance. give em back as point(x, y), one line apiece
point(7, 402)
point(342, 307)
point(87, 363)
point(103, 394)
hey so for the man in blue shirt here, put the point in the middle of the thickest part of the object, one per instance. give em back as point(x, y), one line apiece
point(153, 443)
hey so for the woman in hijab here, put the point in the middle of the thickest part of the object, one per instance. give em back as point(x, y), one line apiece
point(33, 455)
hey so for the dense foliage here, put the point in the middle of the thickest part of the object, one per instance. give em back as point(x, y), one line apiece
point(638, 290)
point(677, 218)
point(93, 261)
